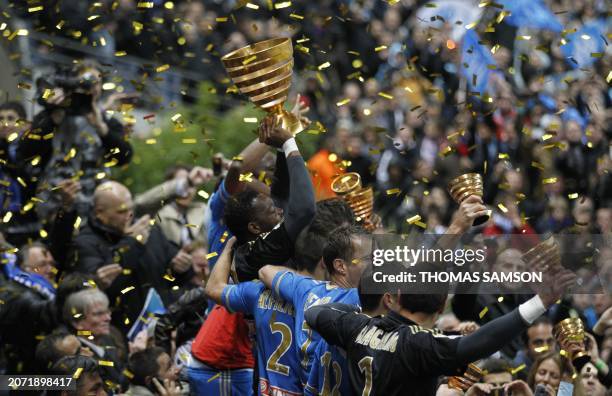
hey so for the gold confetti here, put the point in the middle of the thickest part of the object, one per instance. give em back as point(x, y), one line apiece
point(34, 9)
point(252, 6)
point(502, 207)
point(393, 191)
point(250, 120)
point(296, 16)
point(572, 195)
point(151, 141)
point(380, 48)
point(145, 4)
point(128, 374)
point(221, 19)
point(106, 363)
point(483, 312)
point(385, 95)
point(248, 177)
point(249, 60)
point(343, 102)
point(214, 377)
point(84, 333)
point(211, 255)
point(420, 223)
point(470, 26)
point(550, 180)
point(169, 278)
point(503, 156)
point(519, 368)
point(203, 194)
point(284, 4)
point(541, 349)
point(43, 233)
point(128, 289)
point(7, 217)
point(413, 219)
point(162, 68)
point(500, 299)
point(324, 65)
point(77, 373)
point(120, 53)
point(190, 141)
point(537, 165)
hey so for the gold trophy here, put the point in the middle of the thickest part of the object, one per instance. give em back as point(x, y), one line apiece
point(465, 185)
point(360, 199)
point(262, 71)
point(546, 253)
point(472, 375)
point(571, 330)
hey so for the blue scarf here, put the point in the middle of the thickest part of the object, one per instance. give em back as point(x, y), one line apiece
point(36, 282)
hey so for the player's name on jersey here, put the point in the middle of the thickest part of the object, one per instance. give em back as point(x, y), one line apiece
point(267, 300)
point(375, 338)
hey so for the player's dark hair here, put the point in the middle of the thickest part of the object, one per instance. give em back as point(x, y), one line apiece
point(425, 303)
point(330, 214)
point(339, 245)
point(369, 292)
point(143, 364)
point(496, 366)
point(46, 351)
point(239, 213)
point(16, 107)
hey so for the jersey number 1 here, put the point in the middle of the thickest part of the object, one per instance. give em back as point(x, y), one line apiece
point(365, 366)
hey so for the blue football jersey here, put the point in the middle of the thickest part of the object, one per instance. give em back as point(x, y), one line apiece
point(315, 353)
point(277, 356)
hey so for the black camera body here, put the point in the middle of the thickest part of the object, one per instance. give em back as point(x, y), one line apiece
point(77, 87)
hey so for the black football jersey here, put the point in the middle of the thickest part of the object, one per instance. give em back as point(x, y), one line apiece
point(389, 355)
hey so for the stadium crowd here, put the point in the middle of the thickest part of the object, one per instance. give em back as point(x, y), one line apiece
point(257, 289)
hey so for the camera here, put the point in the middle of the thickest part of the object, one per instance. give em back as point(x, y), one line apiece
point(77, 84)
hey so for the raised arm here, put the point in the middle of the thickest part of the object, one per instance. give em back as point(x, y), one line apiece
point(267, 273)
point(220, 273)
point(246, 161)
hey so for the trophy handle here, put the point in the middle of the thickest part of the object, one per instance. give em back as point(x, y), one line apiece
point(288, 120)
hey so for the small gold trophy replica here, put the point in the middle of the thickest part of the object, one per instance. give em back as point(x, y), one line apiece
point(472, 375)
point(360, 199)
point(262, 71)
point(572, 330)
point(463, 186)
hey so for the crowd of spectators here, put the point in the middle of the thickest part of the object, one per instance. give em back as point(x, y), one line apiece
point(385, 91)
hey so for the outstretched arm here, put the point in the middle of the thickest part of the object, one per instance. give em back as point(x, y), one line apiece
point(220, 273)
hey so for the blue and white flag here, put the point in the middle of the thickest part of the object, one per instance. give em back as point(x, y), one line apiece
point(531, 14)
point(153, 306)
point(476, 60)
point(586, 45)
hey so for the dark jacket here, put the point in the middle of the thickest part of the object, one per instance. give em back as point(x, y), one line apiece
point(144, 266)
point(25, 317)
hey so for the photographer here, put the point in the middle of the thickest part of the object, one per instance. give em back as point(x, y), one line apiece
point(72, 138)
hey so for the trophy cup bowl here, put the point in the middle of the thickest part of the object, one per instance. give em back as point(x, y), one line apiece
point(465, 185)
point(572, 330)
point(545, 253)
point(472, 375)
point(262, 71)
point(361, 200)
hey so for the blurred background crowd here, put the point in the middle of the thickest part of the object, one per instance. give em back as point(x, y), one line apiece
point(407, 93)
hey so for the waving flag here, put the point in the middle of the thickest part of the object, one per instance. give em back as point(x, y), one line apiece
point(586, 45)
point(476, 62)
point(153, 306)
point(531, 14)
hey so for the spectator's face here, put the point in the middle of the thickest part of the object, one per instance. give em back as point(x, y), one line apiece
point(540, 339)
point(548, 373)
point(497, 379)
point(592, 386)
point(573, 132)
point(190, 193)
point(115, 210)
point(90, 385)
point(97, 319)
point(8, 123)
point(601, 302)
point(167, 370)
point(604, 219)
point(40, 261)
point(510, 261)
point(200, 263)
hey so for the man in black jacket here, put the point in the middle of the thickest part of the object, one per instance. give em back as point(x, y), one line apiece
point(128, 257)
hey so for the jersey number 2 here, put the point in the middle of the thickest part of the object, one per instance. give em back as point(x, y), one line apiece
point(285, 343)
